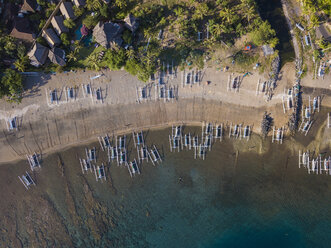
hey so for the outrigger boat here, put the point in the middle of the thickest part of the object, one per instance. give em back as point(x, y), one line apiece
point(316, 103)
point(176, 131)
point(247, 132)
point(207, 129)
point(114, 152)
point(12, 123)
point(121, 142)
point(154, 156)
point(91, 154)
point(208, 141)
point(104, 142)
point(100, 173)
point(304, 159)
point(200, 151)
point(278, 136)
point(142, 154)
point(187, 141)
point(33, 161)
point(138, 138)
point(85, 165)
point(236, 131)
point(175, 142)
point(306, 126)
point(121, 159)
point(219, 132)
point(133, 168)
point(27, 180)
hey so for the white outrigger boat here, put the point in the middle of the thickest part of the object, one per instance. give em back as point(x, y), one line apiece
point(113, 150)
point(27, 180)
point(121, 142)
point(247, 132)
point(305, 126)
point(175, 142)
point(200, 152)
point(235, 131)
point(208, 141)
point(195, 142)
point(12, 124)
point(304, 159)
point(188, 141)
point(138, 138)
point(86, 165)
point(278, 135)
point(207, 128)
point(33, 161)
point(219, 132)
point(143, 154)
point(122, 157)
point(154, 156)
point(91, 154)
point(133, 168)
point(104, 142)
point(100, 173)
point(177, 131)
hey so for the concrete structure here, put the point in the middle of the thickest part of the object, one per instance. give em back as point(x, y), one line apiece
point(30, 6)
point(79, 3)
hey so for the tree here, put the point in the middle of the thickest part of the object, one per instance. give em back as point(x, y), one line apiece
point(263, 34)
point(104, 10)
point(21, 63)
point(78, 11)
point(93, 62)
point(65, 39)
point(201, 11)
point(71, 56)
point(115, 59)
point(90, 21)
point(227, 13)
point(93, 4)
point(69, 23)
point(11, 85)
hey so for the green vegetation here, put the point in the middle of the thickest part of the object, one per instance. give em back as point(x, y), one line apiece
point(11, 85)
point(69, 23)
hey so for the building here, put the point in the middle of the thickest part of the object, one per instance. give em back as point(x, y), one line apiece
point(57, 56)
point(51, 38)
point(267, 50)
point(30, 6)
point(22, 30)
point(79, 3)
point(131, 23)
point(38, 55)
point(67, 10)
point(108, 34)
point(57, 23)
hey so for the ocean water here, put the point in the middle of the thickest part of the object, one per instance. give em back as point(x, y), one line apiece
point(235, 198)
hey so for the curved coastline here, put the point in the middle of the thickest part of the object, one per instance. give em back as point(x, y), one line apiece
point(46, 129)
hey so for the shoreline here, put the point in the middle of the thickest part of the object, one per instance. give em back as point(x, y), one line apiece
point(49, 128)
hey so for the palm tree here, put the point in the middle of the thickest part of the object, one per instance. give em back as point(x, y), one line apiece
point(92, 61)
point(201, 11)
point(121, 3)
point(72, 56)
point(227, 14)
point(93, 4)
point(130, 53)
point(249, 13)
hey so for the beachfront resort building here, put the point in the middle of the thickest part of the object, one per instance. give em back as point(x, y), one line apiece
point(79, 3)
point(30, 6)
point(22, 29)
point(57, 23)
point(51, 38)
point(108, 34)
point(57, 56)
point(38, 55)
point(67, 10)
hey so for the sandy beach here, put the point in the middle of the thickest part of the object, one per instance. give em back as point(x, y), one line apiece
point(46, 127)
